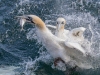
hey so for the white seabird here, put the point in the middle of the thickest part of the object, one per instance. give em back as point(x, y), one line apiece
point(59, 48)
point(59, 30)
point(75, 35)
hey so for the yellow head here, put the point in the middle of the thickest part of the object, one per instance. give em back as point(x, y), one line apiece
point(34, 19)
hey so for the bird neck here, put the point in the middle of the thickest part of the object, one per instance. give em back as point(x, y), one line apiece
point(40, 24)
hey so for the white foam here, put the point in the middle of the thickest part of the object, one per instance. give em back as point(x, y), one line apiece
point(31, 34)
point(24, 2)
point(8, 70)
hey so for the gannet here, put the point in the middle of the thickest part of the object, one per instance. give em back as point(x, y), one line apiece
point(74, 35)
point(59, 30)
point(59, 48)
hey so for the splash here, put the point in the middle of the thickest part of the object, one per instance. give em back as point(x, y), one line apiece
point(74, 13)
point(31, 34)
point(8, 70)
point(31, 66)
point(77, 20)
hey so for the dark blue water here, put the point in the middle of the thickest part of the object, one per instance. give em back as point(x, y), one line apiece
point(24, 56)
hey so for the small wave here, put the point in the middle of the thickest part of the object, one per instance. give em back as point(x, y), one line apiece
point(8, 70)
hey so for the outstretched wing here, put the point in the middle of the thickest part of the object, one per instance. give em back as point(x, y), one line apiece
point(76, 34)
point(51, 28)
point(73, 49)
point(75, 46)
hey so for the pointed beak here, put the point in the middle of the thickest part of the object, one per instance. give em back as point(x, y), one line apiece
point(26, 17)
point(58, 27)
point(23, 17)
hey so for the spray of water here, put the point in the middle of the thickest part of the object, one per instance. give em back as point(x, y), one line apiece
point(74, 20)
point(77, 20)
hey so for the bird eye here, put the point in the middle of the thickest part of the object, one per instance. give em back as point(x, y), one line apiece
point(57, 22)
point(29, 18)
point(62, 22)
